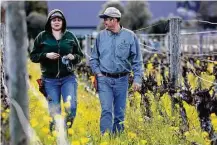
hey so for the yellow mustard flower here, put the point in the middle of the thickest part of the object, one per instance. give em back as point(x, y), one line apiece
point(3, 115)
point(71, 131)
point(84, 140)
point(198, 62)
point(213, 115)
point(207, 142)
point(45, 130)
point(214, 121)
point(34, 122)
point(54, 133)
point(143, 142)
point(186, 133)
point(67, 104)
point(205, 134)
point(82, 130)
point(46, 118)
point(7, 110)
point(68, 123)
point(64, 114)
point(75, 142)
point(132, 135)
point(174, 128)
point(106, 134)
point(140, 119)
point(149, 66)
point(104, 143)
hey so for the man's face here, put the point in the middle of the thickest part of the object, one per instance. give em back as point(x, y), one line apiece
point(109, 22)
point(56, 24)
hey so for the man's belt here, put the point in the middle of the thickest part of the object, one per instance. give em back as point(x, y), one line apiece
point(114, 75)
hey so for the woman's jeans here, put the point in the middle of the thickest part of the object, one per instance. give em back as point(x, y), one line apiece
point(112, 95)
point(67, 87)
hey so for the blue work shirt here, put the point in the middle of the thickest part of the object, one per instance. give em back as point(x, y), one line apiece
point(117, 53)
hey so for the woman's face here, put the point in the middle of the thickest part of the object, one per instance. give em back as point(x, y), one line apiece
point(56, 24)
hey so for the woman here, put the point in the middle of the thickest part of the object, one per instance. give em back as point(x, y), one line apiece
point(57, 50)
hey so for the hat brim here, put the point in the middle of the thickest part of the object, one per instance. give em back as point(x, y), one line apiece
point(56, 17)
point(103, 16)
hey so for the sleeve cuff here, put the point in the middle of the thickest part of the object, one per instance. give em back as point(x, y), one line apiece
point(97, 71)
point(43, 55)
point(75, 56)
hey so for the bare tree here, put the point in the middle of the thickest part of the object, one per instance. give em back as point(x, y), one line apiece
point(36, 12)
point(208, 12)
point(160, 26)
point(136, 15)
point(36, 6)
point(16, 54)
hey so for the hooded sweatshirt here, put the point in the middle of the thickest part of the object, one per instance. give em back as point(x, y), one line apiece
point(45, 43)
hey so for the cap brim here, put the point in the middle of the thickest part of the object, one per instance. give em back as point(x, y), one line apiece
point(56, 17)
point(103, 16)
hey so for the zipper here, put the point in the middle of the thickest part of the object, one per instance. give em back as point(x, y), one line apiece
point(58, 63)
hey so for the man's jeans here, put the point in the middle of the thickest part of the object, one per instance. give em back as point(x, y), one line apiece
point(67, 87)
point(112, 94)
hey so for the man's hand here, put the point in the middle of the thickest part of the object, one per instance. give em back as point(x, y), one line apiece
point(70, 56)
point(136, 87)
point(52, 55)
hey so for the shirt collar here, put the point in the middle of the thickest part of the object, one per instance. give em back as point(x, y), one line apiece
point(111, 33)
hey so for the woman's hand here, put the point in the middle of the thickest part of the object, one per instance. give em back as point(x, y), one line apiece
point(70, 56)
point(52, 55)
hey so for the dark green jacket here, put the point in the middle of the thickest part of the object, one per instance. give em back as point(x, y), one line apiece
point(45, 42)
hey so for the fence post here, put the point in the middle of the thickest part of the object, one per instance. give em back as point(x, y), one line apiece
point(174, 56)
point(16, 54)
point(201, 52)
point(87, 49)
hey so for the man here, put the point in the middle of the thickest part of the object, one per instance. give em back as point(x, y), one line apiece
point(115, 53)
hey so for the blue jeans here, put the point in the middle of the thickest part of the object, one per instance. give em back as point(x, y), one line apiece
point(67, 87)
point(112, 94)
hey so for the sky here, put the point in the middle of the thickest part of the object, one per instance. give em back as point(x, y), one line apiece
point(85, 13)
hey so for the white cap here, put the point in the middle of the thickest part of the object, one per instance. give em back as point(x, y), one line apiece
point(111, 12)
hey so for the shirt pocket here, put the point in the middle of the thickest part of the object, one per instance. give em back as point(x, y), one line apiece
point(123, 50)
